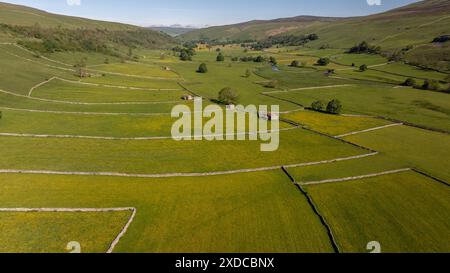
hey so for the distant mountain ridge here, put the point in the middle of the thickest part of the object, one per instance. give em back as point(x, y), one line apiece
point(372, 28)
point(174, 30)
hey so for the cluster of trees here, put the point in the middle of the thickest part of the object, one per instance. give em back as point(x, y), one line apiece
point(49, 40)
point(185, 53)
point(365, 47)
point(285, 40)
point(333, 107)
point(323, 61)
point(257, 59)
point(431, 85)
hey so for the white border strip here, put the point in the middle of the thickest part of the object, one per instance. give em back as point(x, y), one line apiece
point(116, 240)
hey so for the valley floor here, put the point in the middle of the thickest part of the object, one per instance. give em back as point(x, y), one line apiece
point(92, 160)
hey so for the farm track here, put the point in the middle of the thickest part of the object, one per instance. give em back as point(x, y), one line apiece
point(82, 210)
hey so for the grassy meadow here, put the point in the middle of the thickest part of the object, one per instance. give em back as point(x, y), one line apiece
point(260, 211)
point(405, 213)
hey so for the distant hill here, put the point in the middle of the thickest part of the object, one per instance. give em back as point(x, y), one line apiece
point(46, 32)
point(25, 16)
point(173, 31)
point(414, 27)
point(258, 29)
point(417, 23)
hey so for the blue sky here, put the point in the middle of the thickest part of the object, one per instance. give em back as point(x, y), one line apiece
point(207, 12)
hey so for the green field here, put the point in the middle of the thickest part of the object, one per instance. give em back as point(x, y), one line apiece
point(334, 125)
point(104, 140)
point(430, 109)
point(166, 156)
point(418, 148)
point(84, 93)
point(187, 214)
point(405, 213)
point(50, 232)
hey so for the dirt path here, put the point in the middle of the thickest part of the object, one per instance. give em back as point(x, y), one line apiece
point(78, 210)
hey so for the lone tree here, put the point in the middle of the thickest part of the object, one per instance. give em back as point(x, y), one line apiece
point(228, 96)
point(318, 105)
point(410, 82)
point(334, 107)
point(220, 57)
point(248, 73)
point(295, 64)
point(323, 61)
point(80, 68)
point(273, 60)
point(202, 68)
point(363, 68)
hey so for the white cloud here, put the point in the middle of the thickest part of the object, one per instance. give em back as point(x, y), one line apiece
point(374, 2)
point(73, 2)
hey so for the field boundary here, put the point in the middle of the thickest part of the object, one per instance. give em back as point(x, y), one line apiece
point(308, 88)
point(138, 138)
point(39, 85)
point(169, 175)
point(116, 239)
point(352, 178)
point(116, 86)
point(369, 130)
point(315, 209)
point(88, 103)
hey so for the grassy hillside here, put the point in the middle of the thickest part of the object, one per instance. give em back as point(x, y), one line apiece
point(259, 29)
point(25, 16)
point(414, 26)
point(389, 29)
point(48, 33)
